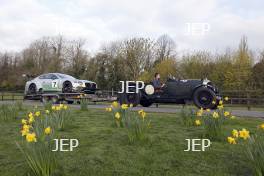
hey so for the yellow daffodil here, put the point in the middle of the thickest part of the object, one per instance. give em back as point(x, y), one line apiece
point(208, 110)
point(226, 113)
point(232, 117)
point(30, 115)
point(220, 106)
point(231, 140)
point(23, 121)
point(226, 98)
point(140, 111)
point(221, 102)
point(37, 113)
point(108, 109)
point(115, 104)
point(65, 107)
point(235, 133)
point(213, 102)
point(31, 137)
point(215, 115)
point(47, 111)
point(47, 130)
point(25, 130)
point(262, 126)
point(117, 115)
point(53, 107)
point(58, 108)
point(244, 134)
point(124, 106)
point(197, 122)
point(143, 115)
point(199, 114)
point(61, 105)
point(31, 119)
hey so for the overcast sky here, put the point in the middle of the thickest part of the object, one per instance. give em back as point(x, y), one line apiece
point(193, 24)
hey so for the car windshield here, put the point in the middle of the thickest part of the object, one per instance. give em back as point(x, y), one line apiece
point(65, 76)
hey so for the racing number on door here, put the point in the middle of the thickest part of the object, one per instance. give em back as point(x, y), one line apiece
point(54, 84)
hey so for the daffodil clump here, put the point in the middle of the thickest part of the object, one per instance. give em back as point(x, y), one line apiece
point(237, 135)
point(212, 121)
point(136, 123)
point(119, 113)
point(60, 115)
point(37, 141)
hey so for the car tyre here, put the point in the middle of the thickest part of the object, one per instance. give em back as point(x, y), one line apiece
point(67, 87)
point(203, 98)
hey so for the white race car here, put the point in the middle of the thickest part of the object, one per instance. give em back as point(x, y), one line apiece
point(58, 82)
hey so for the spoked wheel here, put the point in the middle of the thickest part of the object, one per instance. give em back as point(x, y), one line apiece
point(67, 87)
point(32, 89)
point(204, 97)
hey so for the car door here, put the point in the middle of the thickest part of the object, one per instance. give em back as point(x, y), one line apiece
point(42, 79)
point(50, 83)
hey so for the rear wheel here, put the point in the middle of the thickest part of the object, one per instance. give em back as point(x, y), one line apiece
point(67, 87)
point(133, 98)
point(32, 89)
point(204, 97)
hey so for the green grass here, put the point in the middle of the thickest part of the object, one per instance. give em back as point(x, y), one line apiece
point(104, 150)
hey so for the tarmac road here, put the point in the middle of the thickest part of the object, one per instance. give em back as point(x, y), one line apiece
point(241, 113)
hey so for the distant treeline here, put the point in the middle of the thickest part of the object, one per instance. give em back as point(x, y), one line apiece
point(133, 59)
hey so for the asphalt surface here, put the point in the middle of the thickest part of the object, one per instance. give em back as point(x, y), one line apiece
point(241, 113)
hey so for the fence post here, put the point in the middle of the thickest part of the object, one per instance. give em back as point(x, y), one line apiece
point(248, 101)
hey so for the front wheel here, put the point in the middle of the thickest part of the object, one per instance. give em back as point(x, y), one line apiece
point(204, 97)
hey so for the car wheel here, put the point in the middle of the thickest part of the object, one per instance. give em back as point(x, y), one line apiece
point(32, 89)
point(133, 98)
point(204, 97)
point(145, 103)
point(67, 87)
